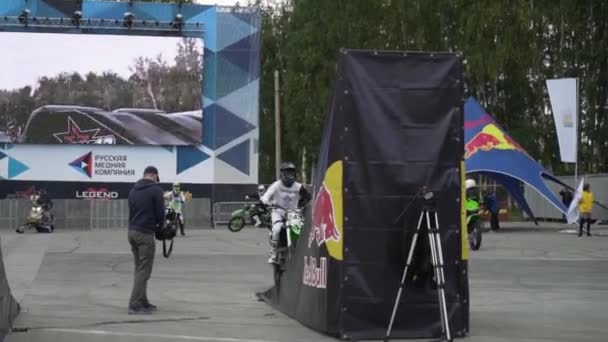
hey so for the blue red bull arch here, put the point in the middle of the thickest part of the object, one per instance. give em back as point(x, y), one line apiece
point(489, 150)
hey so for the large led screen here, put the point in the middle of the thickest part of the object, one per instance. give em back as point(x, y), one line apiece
point(60, 88)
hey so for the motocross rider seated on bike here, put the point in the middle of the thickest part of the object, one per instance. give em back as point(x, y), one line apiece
point(259, 208)
point(471, 195)
point(44, 201)
point(287, 194)
point(176, 199)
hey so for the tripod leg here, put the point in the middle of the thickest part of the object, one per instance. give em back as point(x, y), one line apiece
point(438, 257)
point(435, 262)
point(403, 277)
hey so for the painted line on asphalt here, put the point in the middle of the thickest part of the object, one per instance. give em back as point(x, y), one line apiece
point(173, 337)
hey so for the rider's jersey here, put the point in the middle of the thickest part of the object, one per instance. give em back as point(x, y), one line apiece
point(176, 201)
point(282, 196)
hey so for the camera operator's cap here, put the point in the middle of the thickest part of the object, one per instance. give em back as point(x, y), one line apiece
point(151, 170)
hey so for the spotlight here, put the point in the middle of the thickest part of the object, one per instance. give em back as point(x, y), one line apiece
point(23, 17)
point(128, 19)
point(76, 17)
point(178, 21)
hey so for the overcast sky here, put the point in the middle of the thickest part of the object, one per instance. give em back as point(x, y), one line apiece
point(26, 57)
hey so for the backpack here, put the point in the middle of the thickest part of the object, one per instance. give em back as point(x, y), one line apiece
point(168, 232)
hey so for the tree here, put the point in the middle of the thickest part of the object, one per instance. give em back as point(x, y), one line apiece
point(509, 50)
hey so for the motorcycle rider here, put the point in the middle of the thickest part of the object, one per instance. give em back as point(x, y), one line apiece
point(470, 186)
point(287, 194)
point(44, 201)
point(472, 196)
point(176, 199)
point(259, 208)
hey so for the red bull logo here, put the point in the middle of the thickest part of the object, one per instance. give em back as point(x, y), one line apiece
point(323, 221)
point(326, 230)
point(491, 137)
point(327, 215)
point(315, 275)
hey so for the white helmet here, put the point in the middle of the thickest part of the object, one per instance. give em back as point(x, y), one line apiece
point(261, 188)
point(470, 183)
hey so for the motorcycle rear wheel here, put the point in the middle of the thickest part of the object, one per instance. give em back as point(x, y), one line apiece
point(236, 224)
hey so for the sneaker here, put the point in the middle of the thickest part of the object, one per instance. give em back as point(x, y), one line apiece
point(140, 310)
point(588, 234)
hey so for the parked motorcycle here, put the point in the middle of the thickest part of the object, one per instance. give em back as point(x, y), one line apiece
point(39, 220)
point(474, 224)
point(241, 217)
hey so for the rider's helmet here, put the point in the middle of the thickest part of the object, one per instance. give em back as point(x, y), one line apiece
point(470, 183)
point(288, 174)
point(43, 194)
point(261, 190)
point(176, 187)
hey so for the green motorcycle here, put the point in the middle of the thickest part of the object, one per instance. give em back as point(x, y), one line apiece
point(241, 217)
point(474, 223)
point(294, 224)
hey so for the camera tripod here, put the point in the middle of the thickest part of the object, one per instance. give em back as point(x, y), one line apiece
point(436, 260)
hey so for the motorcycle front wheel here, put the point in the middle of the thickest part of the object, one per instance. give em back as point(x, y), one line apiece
point(236, 224)
point(475, 237)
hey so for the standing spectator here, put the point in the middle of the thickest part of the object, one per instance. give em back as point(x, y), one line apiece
point(567, 197)
point(491, 204)
point(585, 206)
point(146, 216)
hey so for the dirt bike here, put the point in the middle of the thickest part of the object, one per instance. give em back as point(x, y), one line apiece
point(240, 217)
point(174, 208)
point(38, 219)
point(474, 224)
point(293, 222)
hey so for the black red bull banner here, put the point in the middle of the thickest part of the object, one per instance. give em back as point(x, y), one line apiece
point(394, 126)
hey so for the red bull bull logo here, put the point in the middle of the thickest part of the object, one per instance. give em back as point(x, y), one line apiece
point(323, 221)
point(491, 137)
point(327, 215)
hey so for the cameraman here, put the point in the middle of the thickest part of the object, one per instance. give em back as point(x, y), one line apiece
point(146, 216)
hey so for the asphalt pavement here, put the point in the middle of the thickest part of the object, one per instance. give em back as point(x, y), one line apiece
point(527, 284)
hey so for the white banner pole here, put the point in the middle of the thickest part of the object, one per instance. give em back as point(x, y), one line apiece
point(578, 121)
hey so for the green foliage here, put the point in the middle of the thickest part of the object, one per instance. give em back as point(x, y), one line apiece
point(509, 49)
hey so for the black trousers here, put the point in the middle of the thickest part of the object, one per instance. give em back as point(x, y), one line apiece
point(494, 222)
point(582, 221)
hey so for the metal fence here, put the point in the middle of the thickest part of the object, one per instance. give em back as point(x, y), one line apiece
point(96, 214)
point(222, 211)
point(545, 210)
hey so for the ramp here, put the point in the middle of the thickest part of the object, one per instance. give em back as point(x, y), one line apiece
point(394, 125)
point(9, 308)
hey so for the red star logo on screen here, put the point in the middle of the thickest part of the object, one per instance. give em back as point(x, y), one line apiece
point(75, 135)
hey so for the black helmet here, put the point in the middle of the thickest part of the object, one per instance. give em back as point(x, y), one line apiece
point(288, 173)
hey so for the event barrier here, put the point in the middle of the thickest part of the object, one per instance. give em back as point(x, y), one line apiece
point(96, 214)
